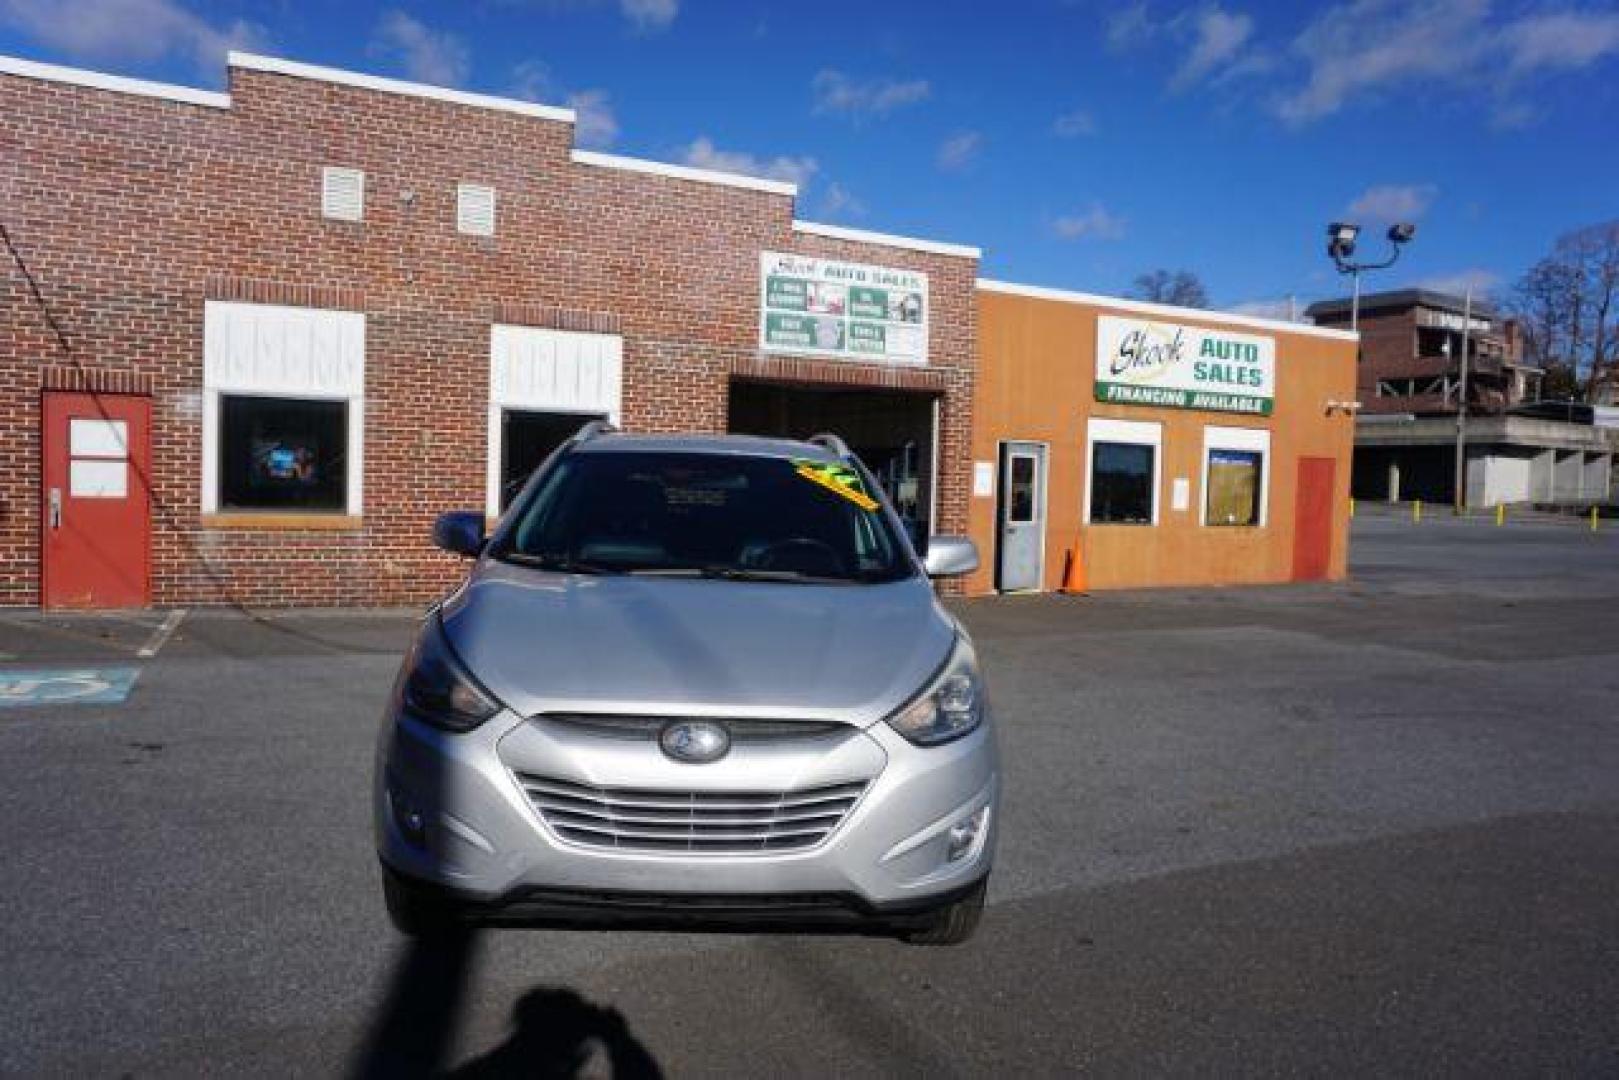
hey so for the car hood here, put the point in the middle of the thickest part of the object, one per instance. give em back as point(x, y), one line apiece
point(548, 642)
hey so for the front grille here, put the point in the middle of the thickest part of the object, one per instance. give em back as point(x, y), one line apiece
point(742, 731)
point(704, 822)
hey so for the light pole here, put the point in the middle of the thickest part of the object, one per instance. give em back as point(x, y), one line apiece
point(1341, 236)
point(1461, 407)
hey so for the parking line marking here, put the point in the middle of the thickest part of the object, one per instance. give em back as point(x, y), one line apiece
point(160, 636)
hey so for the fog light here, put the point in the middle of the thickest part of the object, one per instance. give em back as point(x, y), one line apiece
point(963, 839)
point(412, 825)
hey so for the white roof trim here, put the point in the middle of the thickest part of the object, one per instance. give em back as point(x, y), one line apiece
point(1041, 292)
point(684, 172)
point(118, 84)
point(276, 66)
point(864, 236)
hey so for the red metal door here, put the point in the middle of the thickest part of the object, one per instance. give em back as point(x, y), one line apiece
point(95, 509)
point(1312, 519)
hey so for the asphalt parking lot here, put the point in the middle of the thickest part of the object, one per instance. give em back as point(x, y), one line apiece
point(1369, 827)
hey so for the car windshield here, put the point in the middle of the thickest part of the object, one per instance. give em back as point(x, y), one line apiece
point(711, 515)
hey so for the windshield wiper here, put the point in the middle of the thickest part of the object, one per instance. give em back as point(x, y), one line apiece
point(555, 563)
point(737, 573)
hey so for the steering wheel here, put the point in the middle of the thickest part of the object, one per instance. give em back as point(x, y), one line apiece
point(804, 555)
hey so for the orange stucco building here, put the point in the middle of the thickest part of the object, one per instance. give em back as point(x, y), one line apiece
point(1167, 446)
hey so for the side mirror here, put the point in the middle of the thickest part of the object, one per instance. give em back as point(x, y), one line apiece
point(950, 556)
point(460, 532)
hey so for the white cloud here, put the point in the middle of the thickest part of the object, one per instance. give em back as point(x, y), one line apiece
point(531, 81)
point(1387, 203)
point(836, 92)
point(595, 121)
point(1476, 279)
point(1367, 48)
point(131, 31)
point(595, 124)
point(1129, 26)
point(838, 201)
point(959, 150)
point(1217, 37)
point(1563, 39)
point(1094, 222)
point(650, 14)
point(1073, 124)
point(1513, 115)
point(1369, 45)
point(425, 54)
point(703, 154)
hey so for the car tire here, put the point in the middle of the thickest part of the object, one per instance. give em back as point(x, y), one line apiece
point(414, 914)
point(954, 923)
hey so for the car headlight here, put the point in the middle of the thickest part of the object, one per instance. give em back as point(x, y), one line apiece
point(950, 707)
point(438, 690)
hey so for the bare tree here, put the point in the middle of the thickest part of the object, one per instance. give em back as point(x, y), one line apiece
point(1179, 287)
point(1568, 307)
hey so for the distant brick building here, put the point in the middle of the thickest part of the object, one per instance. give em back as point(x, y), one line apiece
point(1410, 386)
point(1411, 353)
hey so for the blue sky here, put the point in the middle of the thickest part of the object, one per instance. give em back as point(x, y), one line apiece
point(1078, 143)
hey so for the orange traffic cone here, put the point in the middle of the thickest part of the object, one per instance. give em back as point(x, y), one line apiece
point(1073, 575)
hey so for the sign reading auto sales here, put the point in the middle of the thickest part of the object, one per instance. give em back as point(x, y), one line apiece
point(849, 311)
point(1140, 362)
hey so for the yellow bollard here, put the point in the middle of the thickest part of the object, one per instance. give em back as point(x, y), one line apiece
point(1416, 512)
point(1593, 519)
point(1351, 507)
point(1500, 513)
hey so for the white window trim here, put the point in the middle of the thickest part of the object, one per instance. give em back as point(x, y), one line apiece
point(354, 495)
point(1250, 440)
point(1136, 433)
point(495, 446)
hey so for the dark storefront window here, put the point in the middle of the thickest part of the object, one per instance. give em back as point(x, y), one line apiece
point(527, 439)
point(1233, 487)
point(283, 454)
point(1121, 484)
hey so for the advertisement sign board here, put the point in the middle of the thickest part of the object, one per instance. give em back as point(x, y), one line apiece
point(1142, 362)
point(848, 311)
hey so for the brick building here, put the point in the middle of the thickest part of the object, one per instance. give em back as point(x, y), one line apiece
point(1409, 385)
point(309, 313)
point(1411, 353)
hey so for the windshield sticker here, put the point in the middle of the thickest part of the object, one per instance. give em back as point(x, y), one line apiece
point(836, 478)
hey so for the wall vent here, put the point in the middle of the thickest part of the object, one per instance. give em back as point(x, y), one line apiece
point(342, 194)
point(475, 209)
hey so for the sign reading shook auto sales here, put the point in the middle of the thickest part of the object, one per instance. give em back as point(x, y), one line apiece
point(1140, 362)
point(851, 311)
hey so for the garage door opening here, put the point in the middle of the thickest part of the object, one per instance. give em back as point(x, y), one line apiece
point(527, 439)
point(893, 431)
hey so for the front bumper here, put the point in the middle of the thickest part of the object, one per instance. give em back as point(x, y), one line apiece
point(451, 818)
point(530, 906)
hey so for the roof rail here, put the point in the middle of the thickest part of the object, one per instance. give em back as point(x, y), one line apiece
point(828, 441)
point(592, 428)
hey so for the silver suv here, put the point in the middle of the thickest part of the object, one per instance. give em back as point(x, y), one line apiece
point(691, 681)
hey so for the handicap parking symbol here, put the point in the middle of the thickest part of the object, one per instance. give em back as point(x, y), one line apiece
point(64, 686)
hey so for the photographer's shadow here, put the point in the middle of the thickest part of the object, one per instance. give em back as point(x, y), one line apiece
point(555, 1032)
point(558, 1033)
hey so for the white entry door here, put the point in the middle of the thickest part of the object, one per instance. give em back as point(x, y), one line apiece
point(1021, 510)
